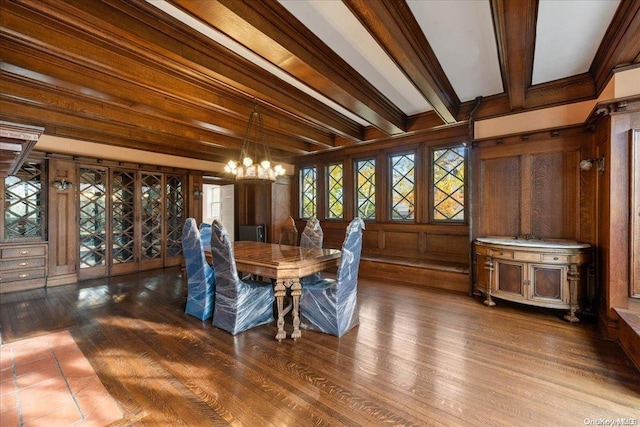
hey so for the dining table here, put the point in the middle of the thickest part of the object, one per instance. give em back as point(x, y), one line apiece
point(286, 265)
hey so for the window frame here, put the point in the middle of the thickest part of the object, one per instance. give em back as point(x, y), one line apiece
point(356, 171)
point(432, 190)
point(390, 187)
point(327, 191)
point(301, 194)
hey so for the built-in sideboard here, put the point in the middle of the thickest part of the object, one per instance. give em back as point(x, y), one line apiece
point(545, 273)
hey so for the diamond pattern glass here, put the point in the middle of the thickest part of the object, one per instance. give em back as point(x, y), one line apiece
point(23, 214)
point(366, 188)
point(335, 187)
point(308, 192)
point(123, 216)
point(151, 190)
point(402, 186)
point(175, 214)
point(93, 217)
point(448, 167)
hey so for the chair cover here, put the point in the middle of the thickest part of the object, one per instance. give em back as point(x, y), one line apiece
point(330, 306)
point(240, 304)
point(312, 237)
point(200, 275)
point(288, 233)
point(312, 234)
point(205, 236)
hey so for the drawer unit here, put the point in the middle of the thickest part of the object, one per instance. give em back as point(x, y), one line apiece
point(23, 266)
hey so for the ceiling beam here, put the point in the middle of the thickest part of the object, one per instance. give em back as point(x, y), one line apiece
point(620, 45)
point(269, 30)
point(395, 28)
point(515, 27)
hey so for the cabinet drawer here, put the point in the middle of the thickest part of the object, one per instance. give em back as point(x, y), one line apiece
point(28, 274)
point(555, 258)
point(22, 251)
point(502, 254)
point(21, 263)
point(527, 256)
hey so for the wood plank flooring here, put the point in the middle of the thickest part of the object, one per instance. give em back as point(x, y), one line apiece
point(419, 357)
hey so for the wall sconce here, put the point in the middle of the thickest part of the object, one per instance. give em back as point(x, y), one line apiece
point(196, 192)
point(61, 184)
point(587, 164)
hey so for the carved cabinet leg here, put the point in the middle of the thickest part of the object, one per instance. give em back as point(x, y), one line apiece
point(488, 265)
point(573, 276)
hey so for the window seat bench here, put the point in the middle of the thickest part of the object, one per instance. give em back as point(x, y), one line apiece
point(629, 333)
point(428, 271)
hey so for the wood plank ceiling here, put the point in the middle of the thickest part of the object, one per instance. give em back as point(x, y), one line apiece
point(151, 75)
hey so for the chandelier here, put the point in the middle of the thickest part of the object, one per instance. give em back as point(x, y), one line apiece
point(255, 161)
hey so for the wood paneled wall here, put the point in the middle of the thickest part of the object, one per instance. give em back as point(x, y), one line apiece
point(613, 139)
point(62, 226)
point(532, 184)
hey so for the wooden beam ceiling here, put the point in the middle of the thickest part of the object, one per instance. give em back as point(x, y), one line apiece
point(269, 30)
point(124, 73)
point(392, 24)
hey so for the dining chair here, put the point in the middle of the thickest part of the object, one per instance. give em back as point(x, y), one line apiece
point(330, 305)
point(200, 275)
point(312, 237)
point(205, 235)
point(288, 233)
point(240, 304)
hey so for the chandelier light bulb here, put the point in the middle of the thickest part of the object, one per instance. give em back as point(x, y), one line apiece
point(247, 161)
point(266, 164)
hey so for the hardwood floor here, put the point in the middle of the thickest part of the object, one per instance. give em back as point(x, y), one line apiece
point(419, 357)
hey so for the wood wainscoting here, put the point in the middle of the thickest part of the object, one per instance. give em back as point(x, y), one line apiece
point(419, 254)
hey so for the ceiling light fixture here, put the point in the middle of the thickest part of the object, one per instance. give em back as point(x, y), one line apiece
point(254, 164)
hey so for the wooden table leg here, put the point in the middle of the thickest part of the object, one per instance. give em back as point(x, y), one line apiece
point(280, 291)
point(296, 291)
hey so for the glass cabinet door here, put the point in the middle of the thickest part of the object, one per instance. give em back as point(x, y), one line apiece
point(136, 215)
point(24, 204)
point(123, 220)
point(175, 205)
point(151, 255)
point(92, 222)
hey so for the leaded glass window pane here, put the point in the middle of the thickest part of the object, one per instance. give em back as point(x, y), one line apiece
point(335, 188)
point(308, 192)
point(448, 166)
point(366, 189)
point(402, 186)
point(23, 213)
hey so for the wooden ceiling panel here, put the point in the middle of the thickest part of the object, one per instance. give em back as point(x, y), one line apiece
point(128, 74)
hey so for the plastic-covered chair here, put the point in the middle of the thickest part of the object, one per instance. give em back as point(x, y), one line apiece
point(200, 275)
point(312, 237)
point(288, 233)
point(205, 236)
point(312, 234)
point(331, 306)
point(240, 304)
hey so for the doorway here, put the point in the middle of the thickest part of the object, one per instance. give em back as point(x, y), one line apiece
point(218, 203)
